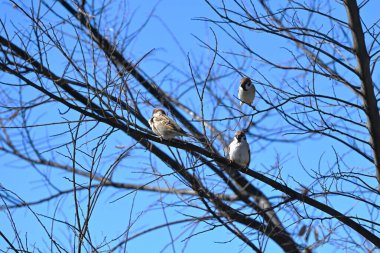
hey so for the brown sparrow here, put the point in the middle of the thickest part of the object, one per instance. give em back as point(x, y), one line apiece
point(238, 150)
point(163, 126)
point(247, 91)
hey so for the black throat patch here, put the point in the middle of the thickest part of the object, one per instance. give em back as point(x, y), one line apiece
point(244, 85)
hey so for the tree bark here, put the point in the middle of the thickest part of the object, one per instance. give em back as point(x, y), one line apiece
point(367, 87)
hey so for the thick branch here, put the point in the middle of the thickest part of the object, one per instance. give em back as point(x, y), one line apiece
point(367, 87)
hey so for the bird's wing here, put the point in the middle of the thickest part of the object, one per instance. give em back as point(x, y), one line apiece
point(173, 126)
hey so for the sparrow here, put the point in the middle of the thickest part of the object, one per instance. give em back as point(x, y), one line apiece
point(163, 126)
point(246, 91)
point(238, 150)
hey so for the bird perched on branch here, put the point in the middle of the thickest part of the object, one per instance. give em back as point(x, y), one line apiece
point(163, 126)
point(247, 91)
point(238, 150)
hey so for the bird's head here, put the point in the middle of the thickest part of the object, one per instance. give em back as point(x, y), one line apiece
point(245, 83)
point(158, 112)
point(240, 135)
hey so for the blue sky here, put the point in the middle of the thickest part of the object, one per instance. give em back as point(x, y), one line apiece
point(172, 32)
